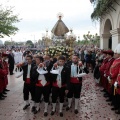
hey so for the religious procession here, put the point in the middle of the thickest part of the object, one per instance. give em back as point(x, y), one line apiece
point(62, 78)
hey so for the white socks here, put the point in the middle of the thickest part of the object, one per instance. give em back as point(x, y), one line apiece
point(33, 103)
point(27, 102)
point(46, 107)
point(61, 107)
point(76, 103)
point(54, 106)
point(37, 106)
point(69, 102)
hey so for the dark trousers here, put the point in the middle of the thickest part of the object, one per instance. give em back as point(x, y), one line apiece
point(42, 90)
point(75, 90)
point(28, 88)
point(11, 68)
point(58, 92)
point(112, 96)
point(117, 101)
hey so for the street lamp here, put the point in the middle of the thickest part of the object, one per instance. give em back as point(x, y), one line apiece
point(46, 39)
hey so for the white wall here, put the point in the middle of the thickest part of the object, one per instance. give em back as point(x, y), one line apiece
point(114, 17)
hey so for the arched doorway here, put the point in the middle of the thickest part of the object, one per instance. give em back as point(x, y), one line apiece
point(110, 43)
point(107, 29)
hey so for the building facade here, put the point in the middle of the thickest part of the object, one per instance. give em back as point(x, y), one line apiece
point(110, 25)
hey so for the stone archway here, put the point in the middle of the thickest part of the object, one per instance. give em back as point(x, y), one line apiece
point(106, 36)
point(116, 32)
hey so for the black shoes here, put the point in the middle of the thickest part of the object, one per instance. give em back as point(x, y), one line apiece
point(67, 108)
point(76, 111)
point(61, 114)
point(11, 73)
point(4, 93)
point(53, 112)
point(108, 100)
point(111, 104)
point(103, 90)
point(45, 114)
point(114, 108)
point(26, 106)
point(1, 98)
point(106, 95)
point(117, 112)
point(36, 111)
point(6, 90)
point(33, 109)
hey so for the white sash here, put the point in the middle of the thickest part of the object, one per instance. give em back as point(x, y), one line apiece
point(42, 78)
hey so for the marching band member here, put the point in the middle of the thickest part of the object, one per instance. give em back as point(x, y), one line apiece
point(75, 83)
point(29, 83)
point(42, 84)
point(59, 84)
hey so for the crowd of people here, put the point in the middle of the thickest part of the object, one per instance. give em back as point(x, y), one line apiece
point(56, 79)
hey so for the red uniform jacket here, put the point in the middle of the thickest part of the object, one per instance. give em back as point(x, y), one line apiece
point(108, 66)
point(102, 69)
point(114, 70)
point(5, 65)
point(3, 73)
point(107, 72)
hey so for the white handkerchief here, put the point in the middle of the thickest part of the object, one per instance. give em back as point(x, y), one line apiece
point(54, 71)
point(81, 75)
point(41, 71)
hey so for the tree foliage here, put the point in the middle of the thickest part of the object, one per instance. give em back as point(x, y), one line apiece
point(8, 43)
point(7, 21)
point(90, 39)
point(102, 7)
point(29, 43)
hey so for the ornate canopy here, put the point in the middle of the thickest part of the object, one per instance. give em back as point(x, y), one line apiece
point(60, 29)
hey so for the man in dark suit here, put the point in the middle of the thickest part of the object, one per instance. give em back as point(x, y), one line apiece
point(42, 86)
point(59, 84)
point(29, 83)
point(11, 62)
point(75, 83)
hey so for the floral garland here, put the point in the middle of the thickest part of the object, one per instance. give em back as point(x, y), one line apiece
point(59, 50)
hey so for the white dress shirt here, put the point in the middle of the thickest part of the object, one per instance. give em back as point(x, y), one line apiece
point(74, 70)
point(28, 71)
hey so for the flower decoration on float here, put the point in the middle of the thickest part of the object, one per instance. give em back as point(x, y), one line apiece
point(59, 50)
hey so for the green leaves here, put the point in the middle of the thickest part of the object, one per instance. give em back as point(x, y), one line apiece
point(7, 21)
point(29, 43)
point(101, 8)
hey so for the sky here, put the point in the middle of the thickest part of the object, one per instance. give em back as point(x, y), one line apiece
point(39, 15)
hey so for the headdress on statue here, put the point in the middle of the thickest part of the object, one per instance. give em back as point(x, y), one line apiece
point(117, 49)
point(110, 52)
